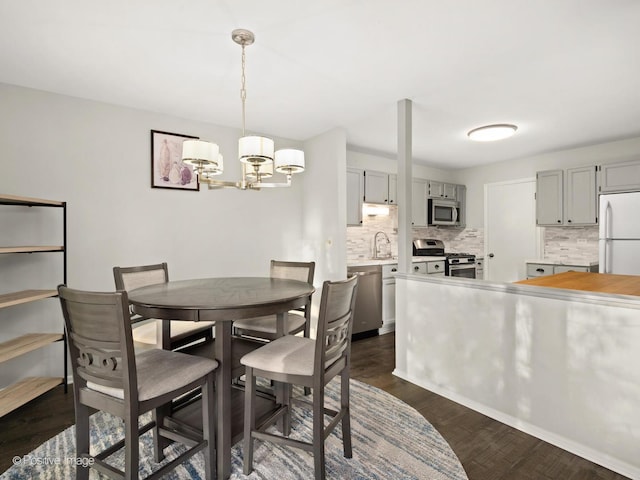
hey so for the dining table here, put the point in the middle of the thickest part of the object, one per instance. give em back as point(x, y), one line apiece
point(221, 300)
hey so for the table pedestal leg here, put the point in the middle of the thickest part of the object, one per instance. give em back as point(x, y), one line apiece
point(223, 399)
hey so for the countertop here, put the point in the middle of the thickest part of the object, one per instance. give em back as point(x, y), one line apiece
point(591, 282)
point(390, 261)
point(567, 261)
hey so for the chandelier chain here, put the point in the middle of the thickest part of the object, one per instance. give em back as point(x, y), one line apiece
point(243, 90)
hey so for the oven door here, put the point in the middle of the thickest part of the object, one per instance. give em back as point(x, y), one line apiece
point(467, 270)
point(442, 212)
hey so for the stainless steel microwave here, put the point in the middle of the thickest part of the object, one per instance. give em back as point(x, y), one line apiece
point(443, 212)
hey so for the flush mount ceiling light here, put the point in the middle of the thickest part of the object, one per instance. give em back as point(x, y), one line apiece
point(490, 133)
point(255, 153)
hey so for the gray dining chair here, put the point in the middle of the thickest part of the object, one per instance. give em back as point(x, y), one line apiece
point(109, 376)
point(148, 331)
point(264, 328)
point(310, 363)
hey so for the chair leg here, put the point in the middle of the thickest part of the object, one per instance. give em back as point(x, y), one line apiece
point(82, 439)
point(286, 402)
point(318, 433)
point(131, 447)
point(208, 426)
point(346, 420)
point(249, 420)
point(159, 442)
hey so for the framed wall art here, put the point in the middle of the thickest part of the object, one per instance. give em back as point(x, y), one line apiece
point(167, 168)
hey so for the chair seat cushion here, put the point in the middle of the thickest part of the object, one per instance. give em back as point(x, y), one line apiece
point(162, 371)
point(267, 324)
point(289, 354)
point(146, 332)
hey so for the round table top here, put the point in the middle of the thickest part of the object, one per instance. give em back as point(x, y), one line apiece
point(220, 293)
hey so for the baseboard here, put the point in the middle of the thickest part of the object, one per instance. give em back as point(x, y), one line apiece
point(387, 327)
point(559, 441)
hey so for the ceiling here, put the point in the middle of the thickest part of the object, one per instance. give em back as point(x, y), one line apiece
point(565, 71)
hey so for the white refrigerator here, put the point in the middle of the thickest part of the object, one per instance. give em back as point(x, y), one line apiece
point(619, 239)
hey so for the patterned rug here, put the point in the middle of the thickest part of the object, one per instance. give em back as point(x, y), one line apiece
point(390, 439)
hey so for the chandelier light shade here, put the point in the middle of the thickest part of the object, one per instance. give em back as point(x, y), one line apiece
point(491, 133)
point(255, 150)
point(256, 153)
point(289, 160)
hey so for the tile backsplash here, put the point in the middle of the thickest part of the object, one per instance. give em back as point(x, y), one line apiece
point(360, 239)
point(560, 243)
point(571, 243)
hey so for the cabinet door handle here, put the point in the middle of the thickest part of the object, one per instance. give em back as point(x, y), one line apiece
point(541, 270)
point(568, 221)
point(436, 266)
point(559, 221)
point(416, 268)
point(394, 269)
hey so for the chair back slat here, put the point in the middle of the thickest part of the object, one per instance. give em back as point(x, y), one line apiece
point(130, 278)
point(335, 321)
point(301, 271)
point(99, 334)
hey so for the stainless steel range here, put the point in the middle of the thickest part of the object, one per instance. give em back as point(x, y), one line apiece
point(456, 264)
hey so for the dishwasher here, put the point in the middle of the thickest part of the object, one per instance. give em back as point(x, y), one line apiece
point(367, 317)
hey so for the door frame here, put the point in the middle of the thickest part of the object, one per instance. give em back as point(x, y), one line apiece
point(539, 230)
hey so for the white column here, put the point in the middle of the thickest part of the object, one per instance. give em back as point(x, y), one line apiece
point(405, 236)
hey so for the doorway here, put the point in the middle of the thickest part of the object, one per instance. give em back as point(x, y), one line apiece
point(511, 236)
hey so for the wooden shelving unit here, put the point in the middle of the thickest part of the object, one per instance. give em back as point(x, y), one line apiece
point(26, 389)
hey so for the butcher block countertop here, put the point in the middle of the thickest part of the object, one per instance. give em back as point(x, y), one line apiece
point(591, 282)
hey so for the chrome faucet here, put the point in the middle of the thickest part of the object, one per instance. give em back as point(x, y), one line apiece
point(375, 245)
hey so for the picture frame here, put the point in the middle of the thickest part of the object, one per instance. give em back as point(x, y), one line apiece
point(167, 168)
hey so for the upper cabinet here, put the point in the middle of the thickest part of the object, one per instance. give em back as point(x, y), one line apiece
point(379, 187)
point(620, 177)
point(581, 202)
point(443, 190)
point(355, 195)
point(549, 197)
point(419, 189)
point(569, 199)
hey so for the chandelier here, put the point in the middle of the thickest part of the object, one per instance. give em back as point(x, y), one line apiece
point(256, 154)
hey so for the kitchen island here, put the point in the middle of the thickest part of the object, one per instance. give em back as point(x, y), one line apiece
point(560, 364)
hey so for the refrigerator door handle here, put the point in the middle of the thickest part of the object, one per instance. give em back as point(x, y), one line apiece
point(607, 239)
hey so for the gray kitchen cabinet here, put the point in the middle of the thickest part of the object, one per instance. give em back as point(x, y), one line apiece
point(549, 204)
point(442, 190)
point(581, 196)
point(567, 199)
point(620, 177)
point(435, 267)
point(376, 187)
point(388, 294)
point(540, 269)
point(393, 189)
point(419, 202)
point(355, 196)
point(480, 268)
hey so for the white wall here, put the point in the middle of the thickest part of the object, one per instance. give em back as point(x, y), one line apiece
point(380, 163)
point(96, 157)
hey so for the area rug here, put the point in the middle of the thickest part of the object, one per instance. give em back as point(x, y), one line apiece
point(390, 439)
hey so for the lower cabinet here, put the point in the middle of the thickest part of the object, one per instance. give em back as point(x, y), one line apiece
point(541, 269)
point(388, 295)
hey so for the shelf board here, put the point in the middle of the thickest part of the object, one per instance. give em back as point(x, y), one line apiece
point(25, 344)
point(24, 391)
point(25, 296)
point(28, 201)
point(32, 249)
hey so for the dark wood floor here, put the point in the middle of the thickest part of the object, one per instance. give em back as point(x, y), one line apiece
point(488, 450)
